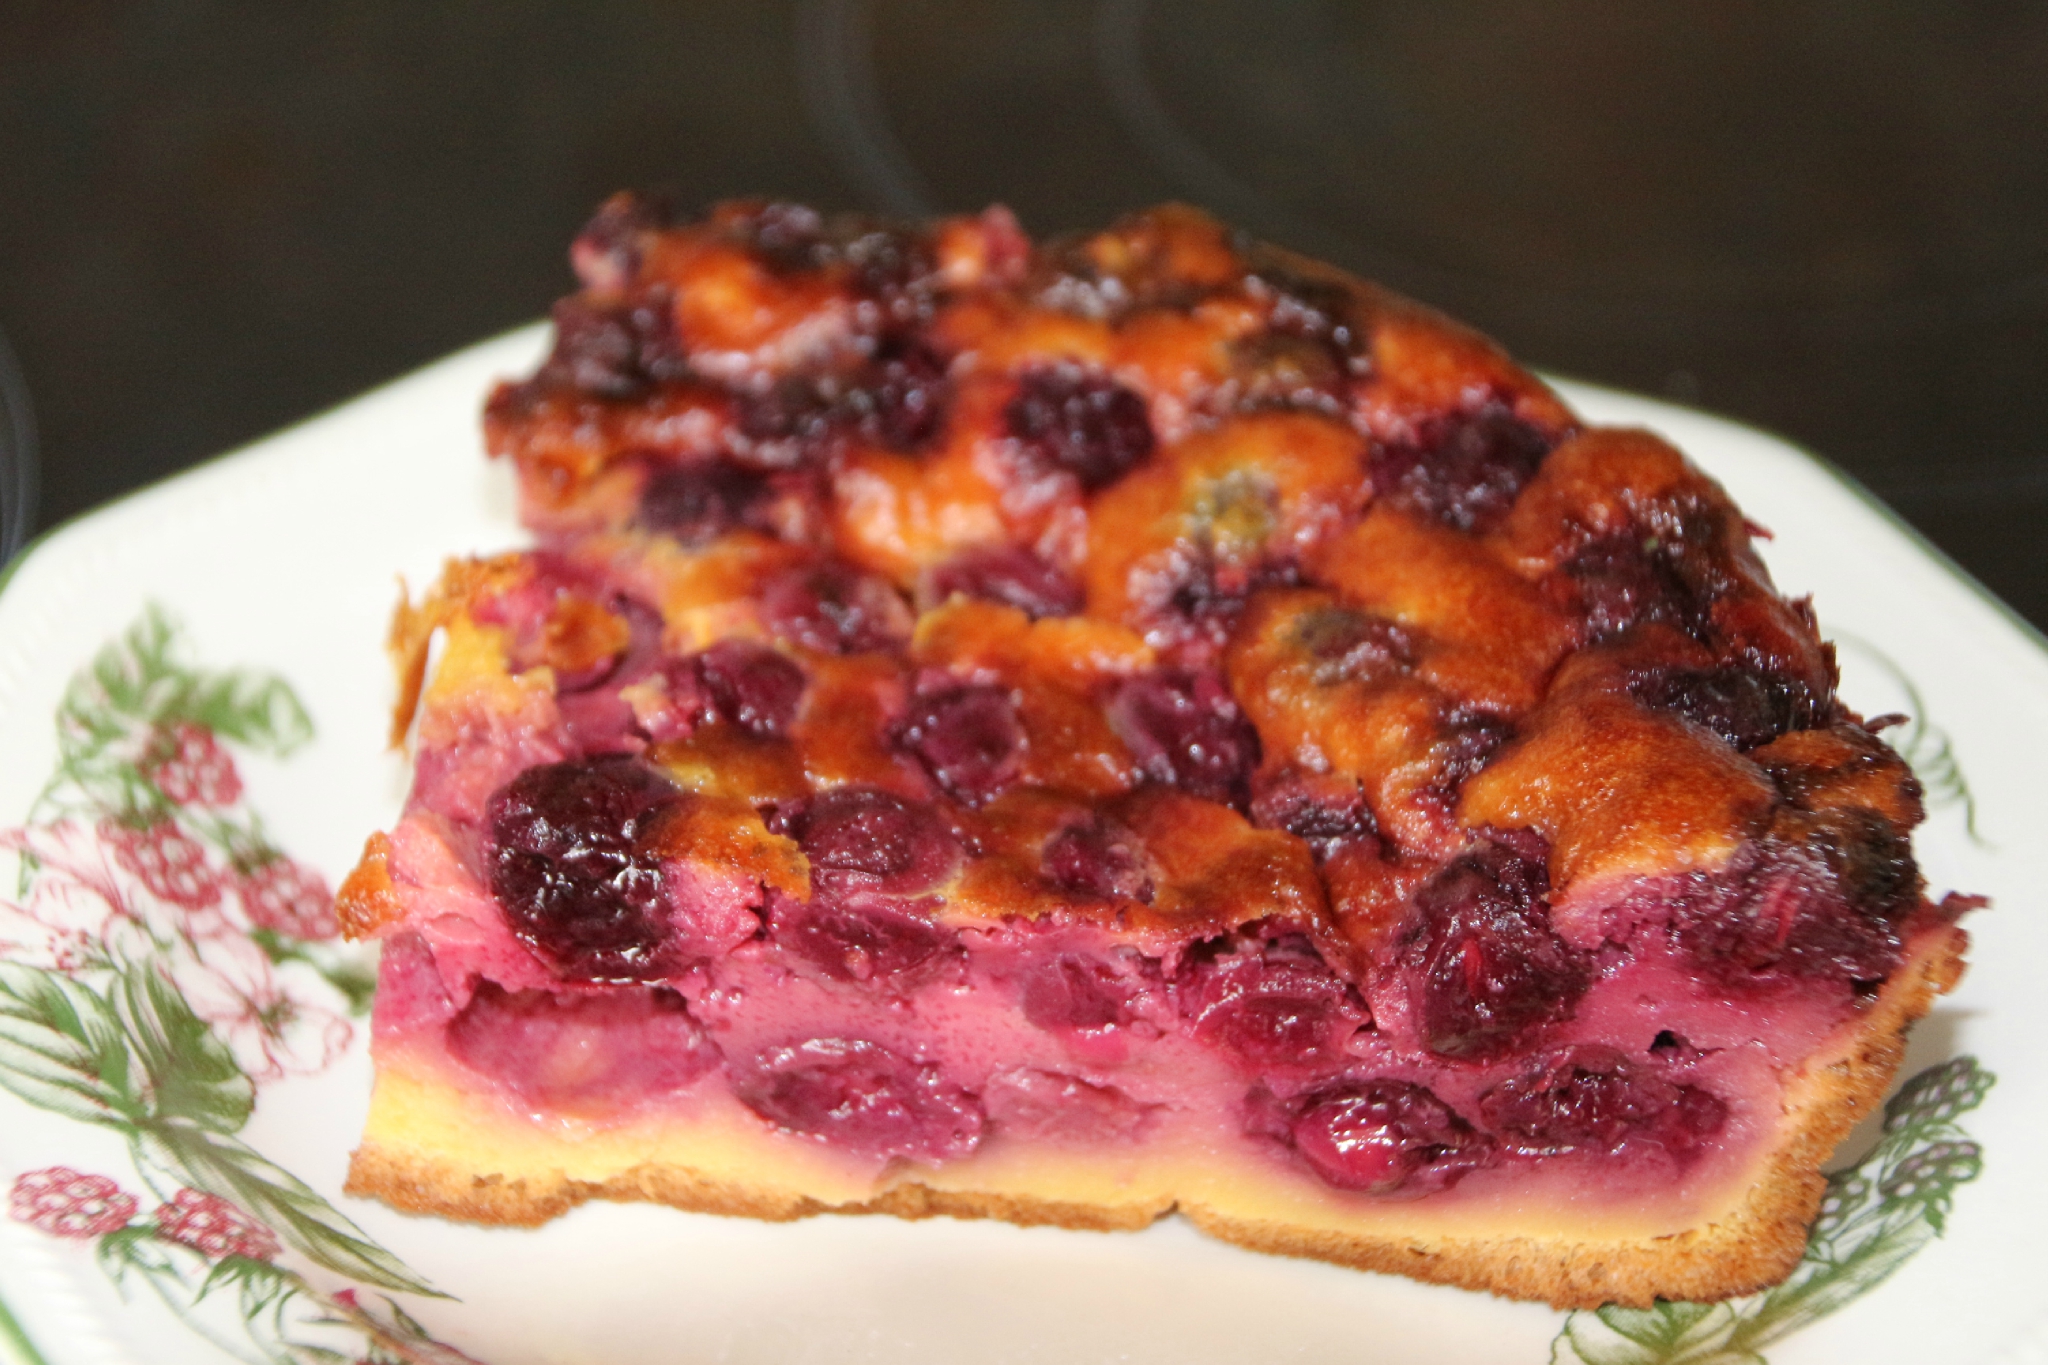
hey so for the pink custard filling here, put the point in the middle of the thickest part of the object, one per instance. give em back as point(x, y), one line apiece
point(901, 1044)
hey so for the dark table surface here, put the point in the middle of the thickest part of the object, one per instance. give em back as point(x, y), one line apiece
point(1829, 219)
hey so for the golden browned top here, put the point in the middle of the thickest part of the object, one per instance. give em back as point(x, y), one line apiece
point(1288, 584)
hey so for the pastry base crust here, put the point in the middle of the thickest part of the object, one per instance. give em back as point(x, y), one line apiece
point(1750, 1246)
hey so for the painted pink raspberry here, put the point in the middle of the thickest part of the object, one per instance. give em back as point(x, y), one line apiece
point(287, 896)
point(66, 1203)
point(170, 862)
point(189, 766)
point(213, 1227)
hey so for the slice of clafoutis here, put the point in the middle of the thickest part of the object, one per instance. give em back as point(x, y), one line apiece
point(1007, 920)
point(1066, 734)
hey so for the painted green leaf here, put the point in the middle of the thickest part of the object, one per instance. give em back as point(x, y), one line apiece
point(140, 678)
point(1926, 747)
point(62, 1048)
point(1940, 1094)
point(1668, 1334)
point(1873, 1218)
point(259, 1286)
point(192, 1076)
point(136, 683)
point(260, 711)
point(398, 1339)
point(221, 1165)
point(137, 1250)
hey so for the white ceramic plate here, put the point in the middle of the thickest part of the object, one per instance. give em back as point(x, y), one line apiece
point(285, 559)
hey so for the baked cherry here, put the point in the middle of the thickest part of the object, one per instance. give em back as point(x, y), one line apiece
point(1463, 470)
point(606, 254)
point(1659, 572)
point(1487, 969)
point(1097, 858)
point(898, 400)
point(787, 237)
point(1825, 903)
point(581, 1050)
point(858, 1096)
point(1051, 1106)
point(969, 739)
point(832, 607)
point(565, 862)
point(751, 685)
point(1746, 707)
point(698, 502)
point(1080, 420)
point(881, 260)
point(1278, 1006)
point(790, 423)
point(1009, 574)
point(1185, 729)
point(1191, 601)
point(866, 841)
point(1325, 810)
point(1386, 1137)
point(1076, 993)
point(615, 350)
point(1593, 1098)
point(869, 944)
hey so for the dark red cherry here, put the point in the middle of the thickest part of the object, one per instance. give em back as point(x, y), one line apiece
point(1386, 1137)
point(864, 945)
point(1593, 1098)
point(1278, 1006)
point(1746, 707)
point(1008, 574)
point(1325, 810)
point(751, 685)
point(1463, 470)
point(1826, 906)
point(606, 254)
point(899, 398)
point(1076, 993)
point(969, 739)
point(563, 851)
point(1185, 729)
point(1486, 966)
point(831, 607)
point(604, 1049)
point(617, 350)
point(698, 502)
point(1191, 601)
point(863, 841)
point(787, 236)
point(1100, 859)
point(860, 1097)
point(1080, 420)
point(1657, 573)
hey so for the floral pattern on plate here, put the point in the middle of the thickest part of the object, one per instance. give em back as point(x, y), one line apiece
point(160, 962)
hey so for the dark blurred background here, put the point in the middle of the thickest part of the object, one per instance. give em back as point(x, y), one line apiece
point(1829, 219)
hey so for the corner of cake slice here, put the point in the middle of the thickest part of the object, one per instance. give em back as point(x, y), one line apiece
point(1143, 724)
